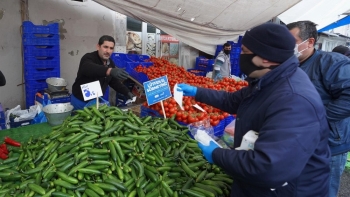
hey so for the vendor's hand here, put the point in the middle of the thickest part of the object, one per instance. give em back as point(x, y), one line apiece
point(119, 74)
point(208, 150)
point(187, 89)
point(130, 95)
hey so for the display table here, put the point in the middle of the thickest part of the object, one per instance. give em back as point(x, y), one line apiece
point(22, 134)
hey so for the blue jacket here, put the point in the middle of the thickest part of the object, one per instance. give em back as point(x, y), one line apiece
point(287, 112)
point(330, 73)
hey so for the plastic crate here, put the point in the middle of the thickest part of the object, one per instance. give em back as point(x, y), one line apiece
point(198, 72)
point(29, 28)
point(14, 124)
point(41, 39)
point(41, 62)
point(229, 119)
point(35, 84)
point(2, 115)
point(145, 111)
point(121, 56)
point(41, 74)
point(139, 76)
point(53, 101)
point(41, 51)
point(119, 63)
point(2, 126)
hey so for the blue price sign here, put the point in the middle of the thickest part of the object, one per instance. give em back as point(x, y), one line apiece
point(157, 90)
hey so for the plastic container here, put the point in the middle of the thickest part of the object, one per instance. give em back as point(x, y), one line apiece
point(145, 111)
point(14, 124)
point(2, 115)
point(41, 62)
point(198, 72)
point(29, 28)
point(41, 51)
point(34, 74)
point(41, 39)
point(45, 99)
point(57, 113)
point(139, 76)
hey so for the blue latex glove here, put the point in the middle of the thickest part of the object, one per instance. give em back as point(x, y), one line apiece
point(217, 75)
point(208, 150)
point(187, 89)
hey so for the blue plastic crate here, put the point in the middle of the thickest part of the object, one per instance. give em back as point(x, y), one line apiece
point(198, 72)
point(41, 74)
point(44, 40)
point(2, 126)
point(41, 51)
point(145, 111)
point(41, 62)
point(2, 115)
point(29, 28)
point(229, 119)
point(119, 63)
point(14, 124)
point(41, 100)
point(35, 84)
point(120, 56)
point(139, 76)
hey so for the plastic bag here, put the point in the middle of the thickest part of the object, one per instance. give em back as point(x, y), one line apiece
point(20, 115)
point(229, 133)
point(101, 102)
point(41, 118)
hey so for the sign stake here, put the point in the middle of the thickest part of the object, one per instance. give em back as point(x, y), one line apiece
point(161, 103)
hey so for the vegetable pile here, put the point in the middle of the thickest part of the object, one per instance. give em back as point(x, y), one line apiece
point(107, 152)
point(178, 74)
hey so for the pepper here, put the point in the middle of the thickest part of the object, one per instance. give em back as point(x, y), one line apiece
point(12, 142)
point(3, 156)
point(4, 149)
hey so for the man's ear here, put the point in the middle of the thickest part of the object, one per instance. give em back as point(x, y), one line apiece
point(98, 47)
point(311, 42)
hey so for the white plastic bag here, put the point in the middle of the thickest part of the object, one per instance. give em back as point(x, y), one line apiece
point(21, 115)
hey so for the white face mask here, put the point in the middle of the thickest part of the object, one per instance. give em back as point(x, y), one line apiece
point(296, 50)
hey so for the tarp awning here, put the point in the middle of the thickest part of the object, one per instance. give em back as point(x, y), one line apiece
point(321, 12)
point(339, 23)
point(201, 24)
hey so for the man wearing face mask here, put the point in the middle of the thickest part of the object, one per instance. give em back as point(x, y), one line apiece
point(222, 65)
point(330, 74)
point(291, 155)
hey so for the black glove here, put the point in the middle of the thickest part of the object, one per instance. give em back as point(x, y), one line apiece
point(130, 95)
point(119, 74)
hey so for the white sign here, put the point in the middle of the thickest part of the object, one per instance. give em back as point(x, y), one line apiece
point(178, 96)
point(91, 90)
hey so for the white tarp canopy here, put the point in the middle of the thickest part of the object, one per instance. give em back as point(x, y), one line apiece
point(202, 24)
point(321, 12)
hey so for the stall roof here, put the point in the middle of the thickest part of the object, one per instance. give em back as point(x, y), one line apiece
point(321, 12)
point(202, 24)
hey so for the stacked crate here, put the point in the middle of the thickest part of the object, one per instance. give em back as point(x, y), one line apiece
point(2, 118)
point(41, 52)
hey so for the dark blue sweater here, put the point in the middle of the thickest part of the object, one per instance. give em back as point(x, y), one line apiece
point(287, 112)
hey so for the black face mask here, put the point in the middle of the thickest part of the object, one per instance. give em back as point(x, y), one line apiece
point(246, 64)
point(227, 52)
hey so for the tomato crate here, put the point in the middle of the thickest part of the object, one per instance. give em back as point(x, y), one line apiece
point(121, 56)
point(41, 51)
point(198, 72)
point(145, 111)
point(137, 58)
point(41, 39)
point(29, 28)
point(139, 76)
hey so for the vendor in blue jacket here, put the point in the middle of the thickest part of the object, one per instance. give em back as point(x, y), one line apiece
point(291, 154)
point(330, 74)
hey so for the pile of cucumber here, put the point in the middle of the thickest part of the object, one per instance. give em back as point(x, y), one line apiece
point(108, 152)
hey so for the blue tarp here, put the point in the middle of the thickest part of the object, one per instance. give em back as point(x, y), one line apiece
point(341, 22)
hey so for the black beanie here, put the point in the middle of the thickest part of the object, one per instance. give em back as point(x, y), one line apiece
point(342, 49)
point(270, 41)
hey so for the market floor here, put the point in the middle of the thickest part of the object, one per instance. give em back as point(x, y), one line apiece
point(344, 184)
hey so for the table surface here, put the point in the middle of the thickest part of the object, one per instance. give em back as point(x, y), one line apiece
point(22, 134)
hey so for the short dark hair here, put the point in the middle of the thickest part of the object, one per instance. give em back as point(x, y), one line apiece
point(307, 29)
point(105, 38)
point(227, 44)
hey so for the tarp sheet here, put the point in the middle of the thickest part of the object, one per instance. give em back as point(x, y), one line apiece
point(321, 12)
point(339, 23)
point(201, 24)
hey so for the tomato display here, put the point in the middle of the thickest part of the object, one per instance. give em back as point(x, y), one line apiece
point(177, 74)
